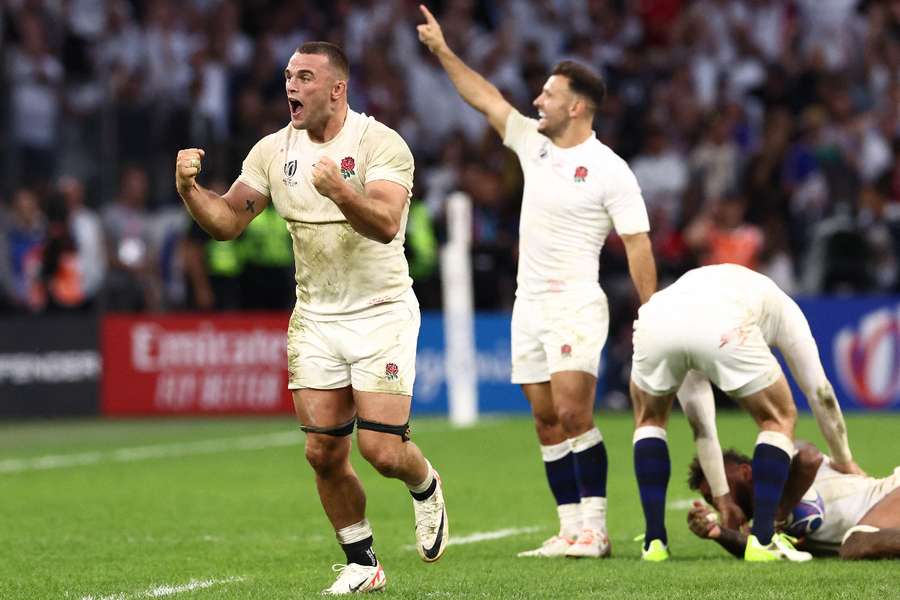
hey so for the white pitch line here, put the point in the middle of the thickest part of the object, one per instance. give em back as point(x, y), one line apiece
point(682, 504)
point(161, 591)
point(485, 536)
point(215, 446)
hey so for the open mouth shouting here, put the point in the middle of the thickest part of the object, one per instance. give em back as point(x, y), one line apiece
point(296, 108)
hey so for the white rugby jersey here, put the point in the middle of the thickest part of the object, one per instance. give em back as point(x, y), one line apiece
point(340, 273)
point(573, 198)
point(847, 498)
point(752, 298)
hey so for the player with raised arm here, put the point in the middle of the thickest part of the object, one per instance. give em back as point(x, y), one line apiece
point(720, 320)
point(342, 182)
point(829, 512)
point(576, 191)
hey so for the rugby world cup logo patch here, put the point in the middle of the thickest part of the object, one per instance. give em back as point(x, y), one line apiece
point(867, 358)
point(290, 168)
point(348, 167)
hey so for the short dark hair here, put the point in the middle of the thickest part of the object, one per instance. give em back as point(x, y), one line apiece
point(335, 55)
point(582, 80)
point(695, 471)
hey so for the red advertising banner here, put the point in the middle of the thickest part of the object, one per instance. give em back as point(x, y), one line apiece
point(195, 364)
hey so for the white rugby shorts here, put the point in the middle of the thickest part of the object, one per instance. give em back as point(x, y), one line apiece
point(671, 337)
point(557, 333)
point(370, 354)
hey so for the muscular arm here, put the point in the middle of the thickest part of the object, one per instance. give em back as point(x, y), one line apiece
point(481, 94)
point(377, 212)
point(798, 346)
point(641, 264)
point(804, 466)
point(222, 217)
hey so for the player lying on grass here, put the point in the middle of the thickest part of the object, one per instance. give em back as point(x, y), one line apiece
point(829, 511)
point(718, 322)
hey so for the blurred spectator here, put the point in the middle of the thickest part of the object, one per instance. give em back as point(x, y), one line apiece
point(22, 240)
point(87, 235)
point(721, 235)
point(132, 281)
point(792, 105)
point(662, 173)
point(35, 78)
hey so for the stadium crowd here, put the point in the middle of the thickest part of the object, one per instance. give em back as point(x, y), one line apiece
point(762, 132)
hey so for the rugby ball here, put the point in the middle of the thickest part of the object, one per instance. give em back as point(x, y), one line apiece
point(807, 516)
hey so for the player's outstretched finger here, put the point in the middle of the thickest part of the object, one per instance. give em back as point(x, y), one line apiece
point(427, 14)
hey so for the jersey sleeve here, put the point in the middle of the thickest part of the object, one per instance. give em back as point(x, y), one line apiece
point(519, 129)
point(389, 159)
point(254, 171)
point(624, 202)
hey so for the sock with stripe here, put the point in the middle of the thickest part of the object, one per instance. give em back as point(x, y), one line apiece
point(356, 541)
point(771, 463)
point(591, 468)
point(652, 469)
point(559, 465)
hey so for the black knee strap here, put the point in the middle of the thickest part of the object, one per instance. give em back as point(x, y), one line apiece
point(401, 430)
point(337, 431)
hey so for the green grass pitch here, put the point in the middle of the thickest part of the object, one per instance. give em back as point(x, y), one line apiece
point(122, 510)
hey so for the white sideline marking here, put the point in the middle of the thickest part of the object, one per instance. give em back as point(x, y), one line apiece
point(161, 591)
point(60, 461)
point(485, 536)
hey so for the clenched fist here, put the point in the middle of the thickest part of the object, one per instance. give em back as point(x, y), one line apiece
point(430, 32)
point(326, 178)
point(187, 167)
point(703, 522)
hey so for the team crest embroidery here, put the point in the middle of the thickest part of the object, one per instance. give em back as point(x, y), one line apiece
point(391, 371)
point(566, 350)
point(580, 174)
point(290, 168)
point(348, 166)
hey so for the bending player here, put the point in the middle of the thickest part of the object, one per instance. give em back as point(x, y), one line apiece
point(576, 191)
point(860, 515)
point(717, 320)
point(787, 330)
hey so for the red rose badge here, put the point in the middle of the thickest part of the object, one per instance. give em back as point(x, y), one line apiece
point(390, 370)
point(348, 166)
point(580, 174)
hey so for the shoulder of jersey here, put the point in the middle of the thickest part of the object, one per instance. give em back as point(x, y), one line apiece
point(276, 138)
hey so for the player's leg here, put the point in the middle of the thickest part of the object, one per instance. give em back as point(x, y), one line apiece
point(652, 466)
point(384, 441)
point(319, 380)
point(530, 370)
point(572, 338)
point(327, 416)
point(658, 368)
point(382, 354)
point(774, 411)
point(559, 467)
point(877, 535)
point(573, 394)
